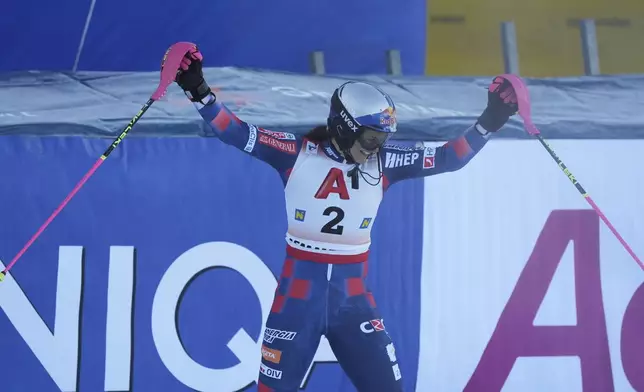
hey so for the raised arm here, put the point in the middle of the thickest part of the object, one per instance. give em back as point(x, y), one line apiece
point(278, 149)
point(402, 162)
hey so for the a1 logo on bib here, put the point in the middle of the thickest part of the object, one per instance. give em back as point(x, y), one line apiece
point(333, 183)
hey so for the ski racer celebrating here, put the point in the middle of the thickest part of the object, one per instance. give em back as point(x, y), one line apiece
point(334, 180)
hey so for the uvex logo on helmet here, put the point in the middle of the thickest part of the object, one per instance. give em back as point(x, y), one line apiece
point(347, 120)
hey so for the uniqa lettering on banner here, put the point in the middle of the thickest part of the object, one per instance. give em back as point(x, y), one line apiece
point(58, 352)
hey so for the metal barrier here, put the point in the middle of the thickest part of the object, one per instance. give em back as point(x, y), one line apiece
point(392, 60)
point(589, 46)
point(588, 41)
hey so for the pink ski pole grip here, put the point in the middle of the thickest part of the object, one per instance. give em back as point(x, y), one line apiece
point(523, 100)
point(170, 65)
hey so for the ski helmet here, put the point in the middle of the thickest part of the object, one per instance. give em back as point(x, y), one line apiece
point(357, 107)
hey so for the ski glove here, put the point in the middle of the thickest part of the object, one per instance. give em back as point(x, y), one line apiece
point(501, 105)
point(190, 76)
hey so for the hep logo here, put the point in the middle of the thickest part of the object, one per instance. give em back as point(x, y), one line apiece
point(373, 326)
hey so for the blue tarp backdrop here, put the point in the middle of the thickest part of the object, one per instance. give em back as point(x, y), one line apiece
point(125, 35)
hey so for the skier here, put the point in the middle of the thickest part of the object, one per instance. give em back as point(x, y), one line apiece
point(334, 179)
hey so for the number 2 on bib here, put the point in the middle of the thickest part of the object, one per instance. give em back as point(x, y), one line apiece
point(332, 227)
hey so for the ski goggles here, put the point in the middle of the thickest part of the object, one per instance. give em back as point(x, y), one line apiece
point(371, 140)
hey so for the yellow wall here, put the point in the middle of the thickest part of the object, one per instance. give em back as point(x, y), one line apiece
point(464, 36)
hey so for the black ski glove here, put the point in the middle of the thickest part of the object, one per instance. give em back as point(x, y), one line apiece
point(190, 77)
point(501, 105)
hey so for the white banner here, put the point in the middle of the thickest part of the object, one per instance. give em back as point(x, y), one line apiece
point(524, 288)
